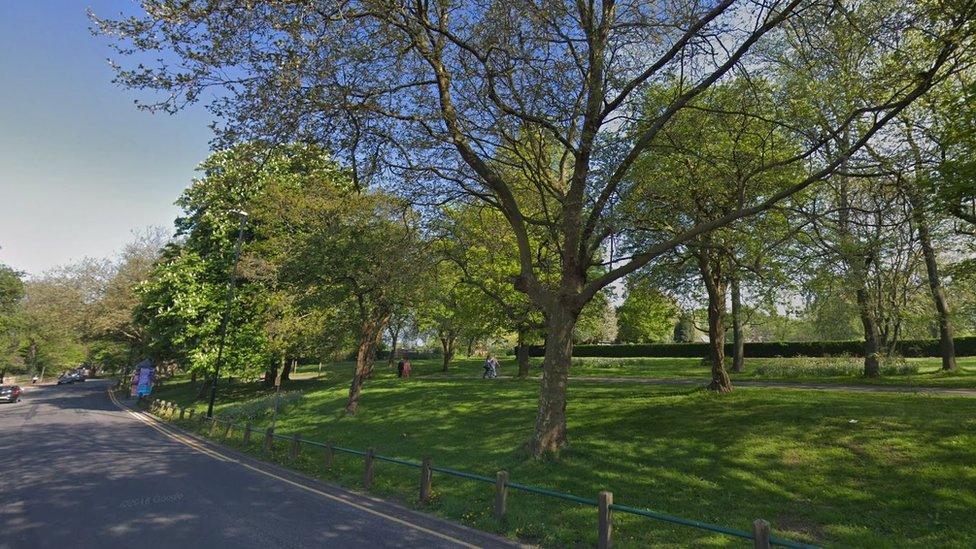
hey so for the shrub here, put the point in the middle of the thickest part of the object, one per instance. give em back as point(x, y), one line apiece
point(965, 346)
point(829, 367)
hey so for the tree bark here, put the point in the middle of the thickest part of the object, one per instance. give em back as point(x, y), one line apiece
point(715, 284)
point(550, 423)
point(858, 266)
point(395, 337)
point(448, 339)
point(370, 334)
point(947, 347)
point(872, 335)
point(522, 355)
point(285, 369)
point(271, 373)
point(738, 341)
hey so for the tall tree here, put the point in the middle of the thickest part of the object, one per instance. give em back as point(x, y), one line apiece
point(441, 89)
point(332, 244)
point(706, 163)
point(482, 246)
point(11, 293)
point(646, 315)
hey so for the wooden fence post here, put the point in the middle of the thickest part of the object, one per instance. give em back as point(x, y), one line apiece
point(368, 470)
point(191, 412)
point(247, 433)
point(227, 429)
point(501, 495)
point(213, 425)
point(605, 539)
point(295, 447)
point(760, 534)
point(425, 478)
point(268, 440)
point(182, 413)
point(329, 455)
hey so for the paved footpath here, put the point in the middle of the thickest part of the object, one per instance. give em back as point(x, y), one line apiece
point(950, 391)
point(77, 471)
point(802, 385)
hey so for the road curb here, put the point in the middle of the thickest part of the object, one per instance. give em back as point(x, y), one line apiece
point(419, 520)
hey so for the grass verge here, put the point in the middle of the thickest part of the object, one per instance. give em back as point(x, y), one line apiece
point(838, 469)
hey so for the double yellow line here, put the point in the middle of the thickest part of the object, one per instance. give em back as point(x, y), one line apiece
point(187, 441)
point(169, 433)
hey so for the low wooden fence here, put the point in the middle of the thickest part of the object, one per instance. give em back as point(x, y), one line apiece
point(760, 533)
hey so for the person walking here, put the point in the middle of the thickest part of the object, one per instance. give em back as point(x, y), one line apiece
point(400, 367)
point(491, 368)
point(406, 368)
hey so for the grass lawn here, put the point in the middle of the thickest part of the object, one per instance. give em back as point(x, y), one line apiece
point(837, 469)
point(929, 372)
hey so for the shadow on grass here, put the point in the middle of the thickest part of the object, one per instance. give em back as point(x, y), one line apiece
point(900, 473)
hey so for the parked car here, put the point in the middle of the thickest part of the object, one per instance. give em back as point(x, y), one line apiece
point(10, 393)
point(66, 378)
point(71, 376)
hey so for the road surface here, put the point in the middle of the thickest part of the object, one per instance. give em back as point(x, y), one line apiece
point(76, 471)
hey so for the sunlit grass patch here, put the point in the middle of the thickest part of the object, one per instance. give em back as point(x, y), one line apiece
point(847, 469)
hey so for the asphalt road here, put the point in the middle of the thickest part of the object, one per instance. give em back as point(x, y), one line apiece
point(77, 471)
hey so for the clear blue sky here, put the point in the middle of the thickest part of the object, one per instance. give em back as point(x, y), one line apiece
point(80, 166)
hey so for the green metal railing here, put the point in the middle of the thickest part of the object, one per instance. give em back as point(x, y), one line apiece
point(663, 517)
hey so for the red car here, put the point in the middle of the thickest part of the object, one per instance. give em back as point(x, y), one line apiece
point(10, 393)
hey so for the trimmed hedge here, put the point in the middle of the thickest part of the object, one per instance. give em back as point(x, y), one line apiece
point(965, 346)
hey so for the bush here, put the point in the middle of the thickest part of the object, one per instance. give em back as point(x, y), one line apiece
point(829, 367)
point(965, 346)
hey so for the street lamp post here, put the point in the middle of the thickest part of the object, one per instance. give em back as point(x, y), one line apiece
point(227, 311)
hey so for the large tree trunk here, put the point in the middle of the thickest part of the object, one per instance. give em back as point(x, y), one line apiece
point(522, 355)
point(858, 266)
point(872, 335)
point(285, 369)
point(271, 373)
point(716, 286)
point(395, 337)
point(738, 341)
point(550, 423)
point(448, 339)
point(947, 348)
point(369, 339)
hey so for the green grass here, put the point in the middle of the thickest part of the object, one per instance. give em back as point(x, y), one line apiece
point(928, 374)
point(819, 370)
point(903, 473)
point(928, 370)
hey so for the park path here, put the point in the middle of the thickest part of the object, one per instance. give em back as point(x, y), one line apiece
point(950, 391)
point(802, 385)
